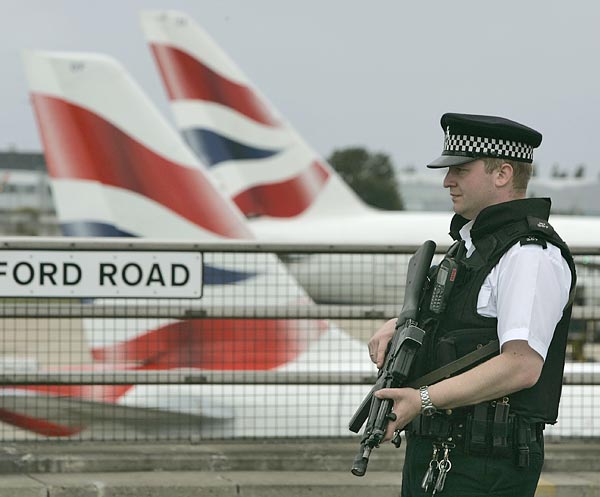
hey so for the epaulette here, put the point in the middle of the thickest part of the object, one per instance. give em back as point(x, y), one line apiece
point(537, 224)
point(530, 231)
point(533, 240)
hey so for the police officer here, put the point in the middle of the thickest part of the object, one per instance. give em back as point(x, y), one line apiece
point(479, 433)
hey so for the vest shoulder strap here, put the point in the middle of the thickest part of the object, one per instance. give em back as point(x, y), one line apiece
point(531, 230)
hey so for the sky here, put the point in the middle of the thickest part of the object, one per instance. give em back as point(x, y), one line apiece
point(377, 74)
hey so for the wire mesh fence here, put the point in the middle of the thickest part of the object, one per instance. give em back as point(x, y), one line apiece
point(275, 347)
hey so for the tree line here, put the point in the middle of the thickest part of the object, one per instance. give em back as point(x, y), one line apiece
point(371, 175)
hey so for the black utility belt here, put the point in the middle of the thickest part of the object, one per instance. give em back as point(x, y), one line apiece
point(485, 429)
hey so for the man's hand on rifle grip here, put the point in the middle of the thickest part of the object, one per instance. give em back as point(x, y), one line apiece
point(407, 406)
point(379, 342)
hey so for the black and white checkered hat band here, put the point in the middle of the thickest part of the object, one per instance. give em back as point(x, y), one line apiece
point(476, 146)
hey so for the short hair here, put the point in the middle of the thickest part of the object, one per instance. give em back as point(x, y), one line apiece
point(522, 171)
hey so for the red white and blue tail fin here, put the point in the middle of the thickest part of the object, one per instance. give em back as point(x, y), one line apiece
point(118, 168)
point(259, 159)
point(112, 155)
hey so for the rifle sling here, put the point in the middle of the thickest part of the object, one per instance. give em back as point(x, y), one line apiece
point(462, 363)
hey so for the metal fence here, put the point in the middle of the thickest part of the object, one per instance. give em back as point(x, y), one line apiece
point(273, 347)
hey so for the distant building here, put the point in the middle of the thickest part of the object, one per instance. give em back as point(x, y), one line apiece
point(22, 161)
point(423, 191)
point(576, 196)
point(26, 205)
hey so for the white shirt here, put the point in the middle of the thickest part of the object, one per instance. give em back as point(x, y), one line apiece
point(527, 291)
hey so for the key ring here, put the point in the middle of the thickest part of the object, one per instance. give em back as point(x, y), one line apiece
point(445, 465)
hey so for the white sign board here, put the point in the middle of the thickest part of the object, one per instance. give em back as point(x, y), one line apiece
point(100, 274)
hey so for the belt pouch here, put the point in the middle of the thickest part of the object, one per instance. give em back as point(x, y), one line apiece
point(500, 428)
point(477, 430)
point(523, 437)
point(425, 426)
point(440, 427)
point(436, 426)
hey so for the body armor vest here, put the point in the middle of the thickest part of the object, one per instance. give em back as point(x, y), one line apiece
point(460, 329)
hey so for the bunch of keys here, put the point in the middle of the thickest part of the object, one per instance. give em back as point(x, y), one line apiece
point(438, 470)
point(432, 469)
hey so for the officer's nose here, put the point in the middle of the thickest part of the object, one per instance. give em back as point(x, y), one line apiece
point(449, 179)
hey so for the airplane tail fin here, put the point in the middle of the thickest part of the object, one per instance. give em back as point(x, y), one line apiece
point(116, 166)
point(261, 161)
point(105, 162)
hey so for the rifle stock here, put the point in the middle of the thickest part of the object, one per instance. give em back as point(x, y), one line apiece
point(402, 349)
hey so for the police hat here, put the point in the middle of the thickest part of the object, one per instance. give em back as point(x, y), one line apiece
point(469, 137)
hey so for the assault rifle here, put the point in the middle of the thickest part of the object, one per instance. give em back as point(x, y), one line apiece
point(400, 354)
point(402, 348)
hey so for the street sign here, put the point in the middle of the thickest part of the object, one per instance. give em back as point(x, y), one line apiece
point(100, 274)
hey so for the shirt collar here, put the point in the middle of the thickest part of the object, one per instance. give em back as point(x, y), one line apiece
point(465, 234)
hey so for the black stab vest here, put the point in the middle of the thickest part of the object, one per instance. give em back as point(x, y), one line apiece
point(460, 329)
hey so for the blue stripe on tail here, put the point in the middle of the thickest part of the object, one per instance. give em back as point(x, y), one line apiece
point(213, 148)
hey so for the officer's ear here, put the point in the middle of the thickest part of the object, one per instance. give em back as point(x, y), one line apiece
point(504, 174)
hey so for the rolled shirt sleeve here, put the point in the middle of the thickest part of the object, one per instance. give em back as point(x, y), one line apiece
point(527, 291)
